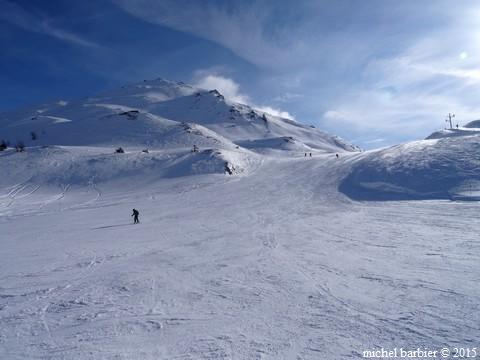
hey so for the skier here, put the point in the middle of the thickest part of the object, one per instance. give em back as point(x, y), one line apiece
point(305, 154)
point(310, 154)
point(336, 155)
point(135, 216)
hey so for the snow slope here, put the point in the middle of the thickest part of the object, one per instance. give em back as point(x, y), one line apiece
point(445, 168)
point(472, 128)
point(473, 124)
point(462, 131)
point(272, 263)
point(165, 117)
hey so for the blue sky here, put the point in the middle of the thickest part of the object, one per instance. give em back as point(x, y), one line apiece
point(376, 72)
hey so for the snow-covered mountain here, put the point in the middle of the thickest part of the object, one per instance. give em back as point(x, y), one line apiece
point(157, 123)
point(277, 262)
point(155, 114)
point(165, 117)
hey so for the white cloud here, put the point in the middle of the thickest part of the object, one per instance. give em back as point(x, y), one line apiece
point(275, 112)
point(410, 94)
point(227, 87)
point(18, 16)
point(394, 117)
point(231, 90)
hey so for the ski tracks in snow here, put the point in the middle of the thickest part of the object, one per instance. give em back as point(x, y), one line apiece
point(261, 272)
point(321, 309)
point(92, 187)
point(18, 192)
point(59, 298)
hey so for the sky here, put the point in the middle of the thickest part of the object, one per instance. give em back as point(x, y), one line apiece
point(375, 72)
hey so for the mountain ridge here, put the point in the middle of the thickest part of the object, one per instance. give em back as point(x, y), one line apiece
point(162, 103)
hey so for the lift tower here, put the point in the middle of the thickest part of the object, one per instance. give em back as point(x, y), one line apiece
point(449, 119)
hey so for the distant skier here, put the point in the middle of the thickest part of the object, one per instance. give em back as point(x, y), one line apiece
point(336, 155)
point(305, 154)
point(310, 154)
point(135, 216)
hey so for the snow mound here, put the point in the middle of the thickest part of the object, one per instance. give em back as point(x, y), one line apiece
point(60, 166)
point(472, 128)
point(453, 133)
point(210, 161)
point(473, 124)
point(447, 168)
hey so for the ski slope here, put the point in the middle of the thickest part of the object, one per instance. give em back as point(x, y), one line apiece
point(246, 249)
point(444, 168)
point(274, 265)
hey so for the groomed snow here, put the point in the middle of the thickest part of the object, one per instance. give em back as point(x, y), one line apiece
point(274, 265)
point(245, 249)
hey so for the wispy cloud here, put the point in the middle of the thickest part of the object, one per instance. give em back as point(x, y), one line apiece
point(26, 20)
point(288, 97)
point(206, 79)
point(394, 116)
point(397, 78)
point(411, 92)
point(238, 26)
point(366, 71)
point(264, 33)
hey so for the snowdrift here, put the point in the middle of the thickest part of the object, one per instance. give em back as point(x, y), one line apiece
point(447, 168)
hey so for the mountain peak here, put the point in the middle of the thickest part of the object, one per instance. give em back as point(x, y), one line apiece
point(147, 112)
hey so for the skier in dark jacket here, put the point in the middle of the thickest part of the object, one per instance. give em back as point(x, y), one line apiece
point(135, 216)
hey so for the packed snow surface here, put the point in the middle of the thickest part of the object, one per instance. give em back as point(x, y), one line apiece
point(246, 248)
point(274, 265)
